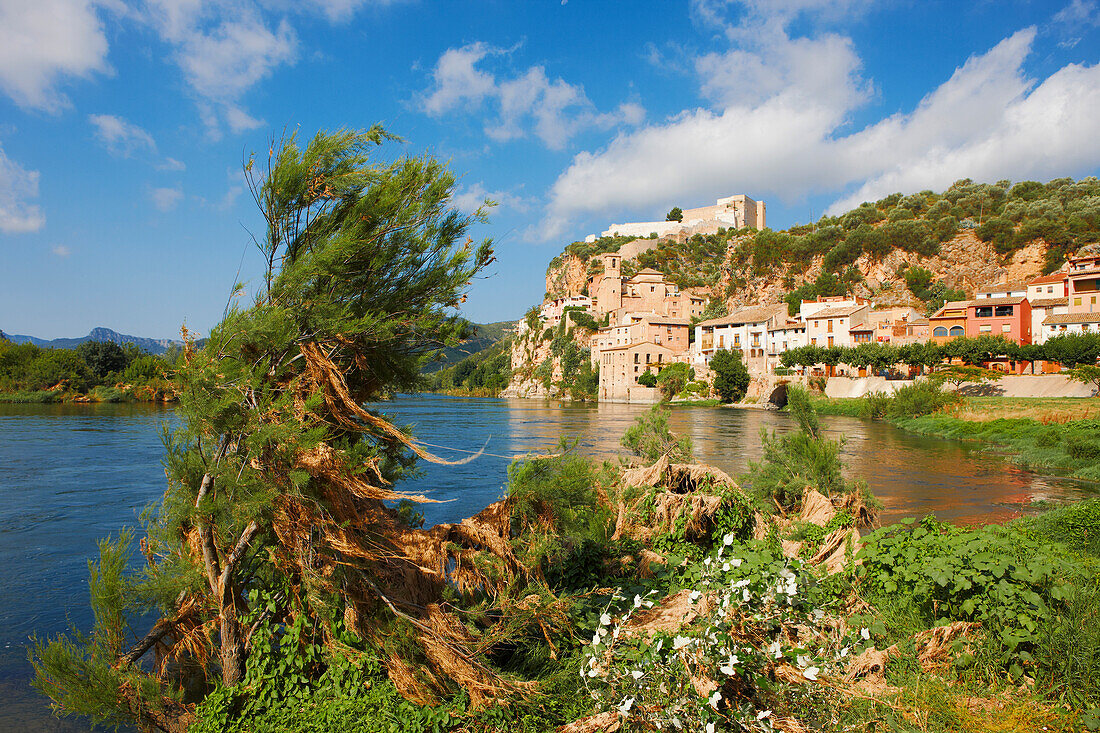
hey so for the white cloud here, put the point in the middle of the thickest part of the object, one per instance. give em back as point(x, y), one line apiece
point(224, 49)
point(553, 110)
point(469, 199)
point(988, 121)
point(43, 43)
point(166, 199)
point(171, 164)
point(120, 137)
point(1078, 13)
point(17, 185)
point(61, 251)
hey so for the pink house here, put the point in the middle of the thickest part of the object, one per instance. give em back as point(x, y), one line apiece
point(1009, 318)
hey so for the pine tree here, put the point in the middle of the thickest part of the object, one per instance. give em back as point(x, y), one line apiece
point(278, 479)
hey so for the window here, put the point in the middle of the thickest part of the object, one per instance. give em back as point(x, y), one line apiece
point(647, 357)
point(1050, 288)
point(1003, 311)
point(637, 357)
point(985, 329)
point(984, 311)
point(660, 358)
point(956, 331)
point(817, 324)
point(813, 342)
point(830, 341)
point(830, 328)
point(1077, 301)
point(1006, 328)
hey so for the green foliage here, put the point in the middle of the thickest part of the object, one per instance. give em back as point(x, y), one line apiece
point(676, 214)
point(797, 461)
point(996, 576)
point(922, 397)
point(672, 379)
point(649, 438)
point(731, 376)
point(365, 265)
point(648, 379)
point(102, 357)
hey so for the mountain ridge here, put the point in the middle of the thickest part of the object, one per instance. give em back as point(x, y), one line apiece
point(99, 333)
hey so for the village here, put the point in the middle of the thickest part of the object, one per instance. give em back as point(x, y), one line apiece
point(651, 323)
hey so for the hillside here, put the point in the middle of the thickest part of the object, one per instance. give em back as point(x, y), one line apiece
point(487, 335)
point(969, 235)
point(918, 249)
point(153, 346)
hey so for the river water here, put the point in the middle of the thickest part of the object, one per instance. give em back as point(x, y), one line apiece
point(70, 474)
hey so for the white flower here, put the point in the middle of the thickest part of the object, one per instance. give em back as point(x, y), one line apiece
point(601, 631)
point(695, 595)
point(593, 672)
point(660, 643)
point(627, 704)
point(818, 614)
point(710, 727)
point(810, 673)
point(605, 620)
point(775, 649)
point(866, 634)
point(677, 724)
point(725, 567)
point(680, 642)
point(763, 714)
point(742, 583)
point(637, 674)
point(728, 539)
point(844, 652)
point(707, 562)
point(802, 660)
point(637, 601)
point(730, 668)
point(595, 638)
point(714, 699)
point(745, 595)
point(736, 562)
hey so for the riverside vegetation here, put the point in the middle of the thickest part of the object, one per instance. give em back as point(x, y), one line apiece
point(291, 587)
point(94, 371)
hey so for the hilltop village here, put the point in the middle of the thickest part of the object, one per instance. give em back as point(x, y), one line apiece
point(636, 322)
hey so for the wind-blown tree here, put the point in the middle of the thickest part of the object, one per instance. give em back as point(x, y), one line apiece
point(278, 478)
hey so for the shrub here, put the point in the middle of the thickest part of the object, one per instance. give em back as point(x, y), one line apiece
point(922, 397)
point(649, 438)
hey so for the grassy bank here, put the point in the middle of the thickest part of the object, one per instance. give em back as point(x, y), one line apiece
point(123, 393)
point(1057, 434)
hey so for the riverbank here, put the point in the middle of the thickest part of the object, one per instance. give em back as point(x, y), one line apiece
point(1056, 434)
point(122, 393)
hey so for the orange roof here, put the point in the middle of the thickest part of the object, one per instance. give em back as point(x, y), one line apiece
point(1054, 277)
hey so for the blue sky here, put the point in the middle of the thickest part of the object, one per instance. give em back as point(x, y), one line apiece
point(123, 124)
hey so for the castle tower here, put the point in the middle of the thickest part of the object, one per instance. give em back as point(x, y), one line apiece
point(609, 293)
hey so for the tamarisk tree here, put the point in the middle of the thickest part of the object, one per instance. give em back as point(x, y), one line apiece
point(278, 478)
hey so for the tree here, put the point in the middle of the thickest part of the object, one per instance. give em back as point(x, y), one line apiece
point(1086, 374)
point(278, 476)
point(102, 357)
point(648, 379)
point(957, 375)
point(731, 377)
point(672, 379)
point(675, 215)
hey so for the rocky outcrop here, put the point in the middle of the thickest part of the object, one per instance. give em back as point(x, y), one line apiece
point(964, 262)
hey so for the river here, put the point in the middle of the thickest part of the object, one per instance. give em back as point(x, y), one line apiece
point(70, 474)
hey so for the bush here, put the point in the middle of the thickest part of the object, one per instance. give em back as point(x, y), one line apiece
point(922, 397)
point(649, 438)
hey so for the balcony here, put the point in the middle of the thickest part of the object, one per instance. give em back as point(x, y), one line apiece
point(707, 343)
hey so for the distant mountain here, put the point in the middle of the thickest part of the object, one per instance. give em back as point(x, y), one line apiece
point(153, 346)
point(487, 335)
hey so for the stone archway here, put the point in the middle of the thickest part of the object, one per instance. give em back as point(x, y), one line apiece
point(778, 397)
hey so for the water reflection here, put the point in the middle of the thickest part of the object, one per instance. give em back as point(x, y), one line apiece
point(912, 475)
